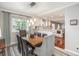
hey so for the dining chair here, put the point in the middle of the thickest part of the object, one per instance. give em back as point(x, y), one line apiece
point(19, 43)
point(31, 35)
point(22, 33)
point(28, 48)
point(47, 47)
point(39, 34)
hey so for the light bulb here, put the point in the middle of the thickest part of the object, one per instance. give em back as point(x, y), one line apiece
point(34, 19)
point(30, 21)
point(29, 24)
point(58, 26)
point(27, 21)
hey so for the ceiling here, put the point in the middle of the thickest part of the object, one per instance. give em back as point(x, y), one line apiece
point(40, 9)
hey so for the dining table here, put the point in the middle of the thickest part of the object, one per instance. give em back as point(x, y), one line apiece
point(35, 41)
point(43, 46)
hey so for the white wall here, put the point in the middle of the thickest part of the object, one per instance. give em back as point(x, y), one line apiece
point(72, 32)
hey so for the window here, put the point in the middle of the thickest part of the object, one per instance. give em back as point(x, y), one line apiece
point(18, 24)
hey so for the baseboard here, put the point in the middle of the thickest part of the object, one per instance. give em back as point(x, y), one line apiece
point(60, 52)
point(72, 53)
point(67, 52)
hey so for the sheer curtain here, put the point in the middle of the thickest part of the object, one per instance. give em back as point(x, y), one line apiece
point(6, 30)
point(0, 25)
point(0, 32)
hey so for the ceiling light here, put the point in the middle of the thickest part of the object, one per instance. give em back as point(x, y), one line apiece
point(31, 21)
point(27, 21)
point(34, 19)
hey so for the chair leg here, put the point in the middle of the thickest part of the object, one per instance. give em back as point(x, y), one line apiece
point(3, 51)
point(22, 52)
point(19, 49)
point(33, 52)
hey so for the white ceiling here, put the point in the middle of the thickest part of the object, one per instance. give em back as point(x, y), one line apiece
point(40, 9)
point(57, 16)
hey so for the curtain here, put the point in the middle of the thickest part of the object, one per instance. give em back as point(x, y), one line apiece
point(6, 30)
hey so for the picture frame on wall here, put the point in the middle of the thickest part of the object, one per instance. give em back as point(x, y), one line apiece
point(73, 22)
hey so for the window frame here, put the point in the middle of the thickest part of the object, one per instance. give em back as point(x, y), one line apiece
point(19, 17)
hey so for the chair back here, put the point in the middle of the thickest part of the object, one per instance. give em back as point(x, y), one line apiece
point(19, 43)
point(22, 33)
point(31, 35)
point(26, 46)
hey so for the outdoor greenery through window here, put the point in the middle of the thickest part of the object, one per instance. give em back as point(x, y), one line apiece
point(18, 24)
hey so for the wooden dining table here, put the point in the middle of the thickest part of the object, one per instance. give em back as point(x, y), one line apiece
point(35, 41)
